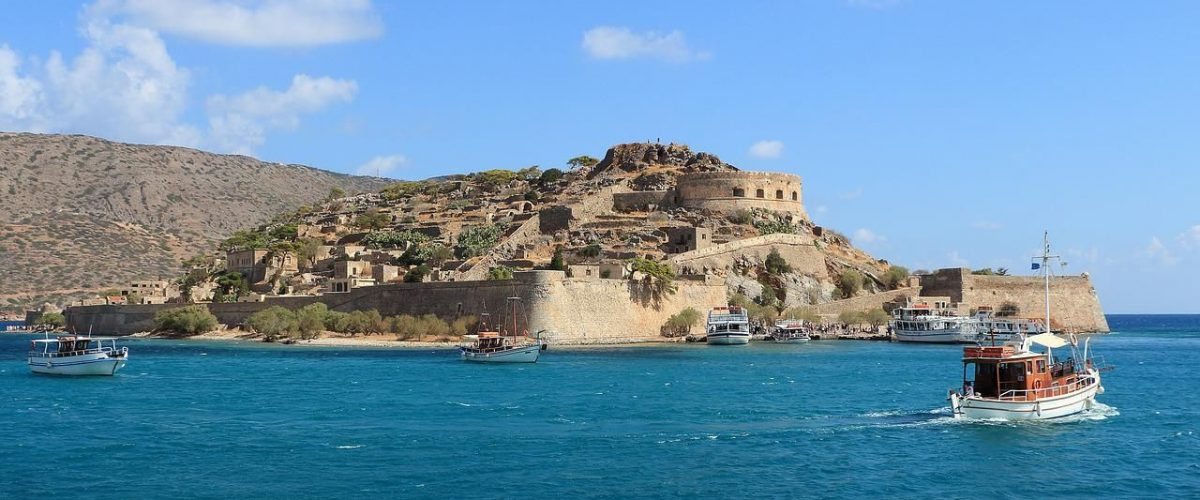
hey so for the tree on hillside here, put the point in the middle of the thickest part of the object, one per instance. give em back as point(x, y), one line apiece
point(850, 317)
point(531, 173)
point(895, 276)
point(335, 193)
point(550, 176)
point(500, 273)
point(306, 250)
point(556, 262)
point(583, 161)
point(373, 220)
point(849, 283)
point(776, 265)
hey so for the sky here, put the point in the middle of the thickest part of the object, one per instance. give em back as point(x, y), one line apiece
point(933, 133)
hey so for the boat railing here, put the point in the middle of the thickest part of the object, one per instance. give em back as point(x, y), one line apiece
point(1047, 392)
point(83, 352)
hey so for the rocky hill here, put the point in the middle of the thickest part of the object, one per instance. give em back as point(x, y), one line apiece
point(82, 214)
point(620, 211)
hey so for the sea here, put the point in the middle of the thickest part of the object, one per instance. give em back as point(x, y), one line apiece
point(826, 419)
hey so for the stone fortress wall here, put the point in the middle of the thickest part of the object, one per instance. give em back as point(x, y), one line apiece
point(729, 191)
point(1074, 304)
point(569, 310)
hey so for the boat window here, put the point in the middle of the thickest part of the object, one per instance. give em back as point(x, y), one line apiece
point(1041, 366)
point(985, 380)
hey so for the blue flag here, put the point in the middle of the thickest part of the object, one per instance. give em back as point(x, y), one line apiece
point(1036, 266)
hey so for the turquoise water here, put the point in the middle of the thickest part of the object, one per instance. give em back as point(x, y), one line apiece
point(825, 419)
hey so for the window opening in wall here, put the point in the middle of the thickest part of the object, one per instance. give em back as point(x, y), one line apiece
point(779, 194)
point(795, 197)
point(739, 192)
point(760, 194)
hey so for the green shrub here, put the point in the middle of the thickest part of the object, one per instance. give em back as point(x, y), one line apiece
point(895, 276)
point(876, 317)
point(372, 220)
point(557, 263)
point(681, 323)
point(310, 320)
point(658, 273)
point(474, 241)
point(776, 265)
point(849, 283)
point(274, 322)
point(500, 273)
point(589, 251)
point(393, 239)
point(189, 319)
point(850, 317)
point(53, 320)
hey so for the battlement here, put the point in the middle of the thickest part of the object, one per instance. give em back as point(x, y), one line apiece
point(730, 191)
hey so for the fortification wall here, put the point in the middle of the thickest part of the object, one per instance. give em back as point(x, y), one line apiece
point(800, 252)
point(571, 311)
point(1075, 306)
point(641, 200)
point(866, 302)
point(729, 191)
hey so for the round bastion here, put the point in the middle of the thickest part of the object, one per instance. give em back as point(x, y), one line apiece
point(731, 191)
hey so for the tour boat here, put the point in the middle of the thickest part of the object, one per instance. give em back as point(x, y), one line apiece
point(993, 328)
point(509, 344)
point(728, 326)
point(790, 331)
point(921, 323)
point(77, 355)
point(1014, 382)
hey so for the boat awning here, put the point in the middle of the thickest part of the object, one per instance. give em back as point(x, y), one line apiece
point(1048, 340)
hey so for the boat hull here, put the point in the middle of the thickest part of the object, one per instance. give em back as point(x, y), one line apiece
point(87, 364)
point(522, 354)
point(947, 336)
point(1043, 409)
point(799, 340)
point(728, 339)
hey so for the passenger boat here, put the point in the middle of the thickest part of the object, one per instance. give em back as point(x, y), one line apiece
point(509, 344)
point(728, 326)
point(790, 331)
point(77, 355)
point(921, 323)
point(993, 328)
point(1015, 382)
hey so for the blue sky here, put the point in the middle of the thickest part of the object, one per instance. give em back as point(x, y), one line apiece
point(935, 134)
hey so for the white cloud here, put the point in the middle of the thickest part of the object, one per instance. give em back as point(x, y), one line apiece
point(768, 149)
point(957, 259)
point(866, 236)
point(258, 23)
point(123, 85)
point(21, 97)
point(1156, 250)
point(239, 123)
point(382, 166)
point(1189, 239)
point(611, 42)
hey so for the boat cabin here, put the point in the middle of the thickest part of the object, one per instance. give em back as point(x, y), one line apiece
point(70, 345)
point(1005, 373)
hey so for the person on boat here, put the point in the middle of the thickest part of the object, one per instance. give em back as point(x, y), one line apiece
point(968, 388)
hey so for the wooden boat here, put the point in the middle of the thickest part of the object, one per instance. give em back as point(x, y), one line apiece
point(1015, 382)
point(790, 331)
point(509, 344)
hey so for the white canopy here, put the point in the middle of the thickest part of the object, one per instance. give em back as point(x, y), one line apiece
point(1048, 339)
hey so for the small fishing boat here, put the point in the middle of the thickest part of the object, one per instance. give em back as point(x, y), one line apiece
point(509, 344)
point(77, 355)
point(921, 323)
point(790, 331)
point(1015, 382)
point(728, 326)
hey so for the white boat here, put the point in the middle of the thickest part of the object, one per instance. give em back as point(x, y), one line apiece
point(728, 326)
point(1013, 382)
point(993, 328)
point(509, 344)
point(790, 331)
point(76, 355)
point(921, 323)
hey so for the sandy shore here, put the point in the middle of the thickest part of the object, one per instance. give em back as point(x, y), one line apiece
point(326, 339)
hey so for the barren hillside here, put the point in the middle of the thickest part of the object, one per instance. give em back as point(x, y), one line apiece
point(82, 213)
